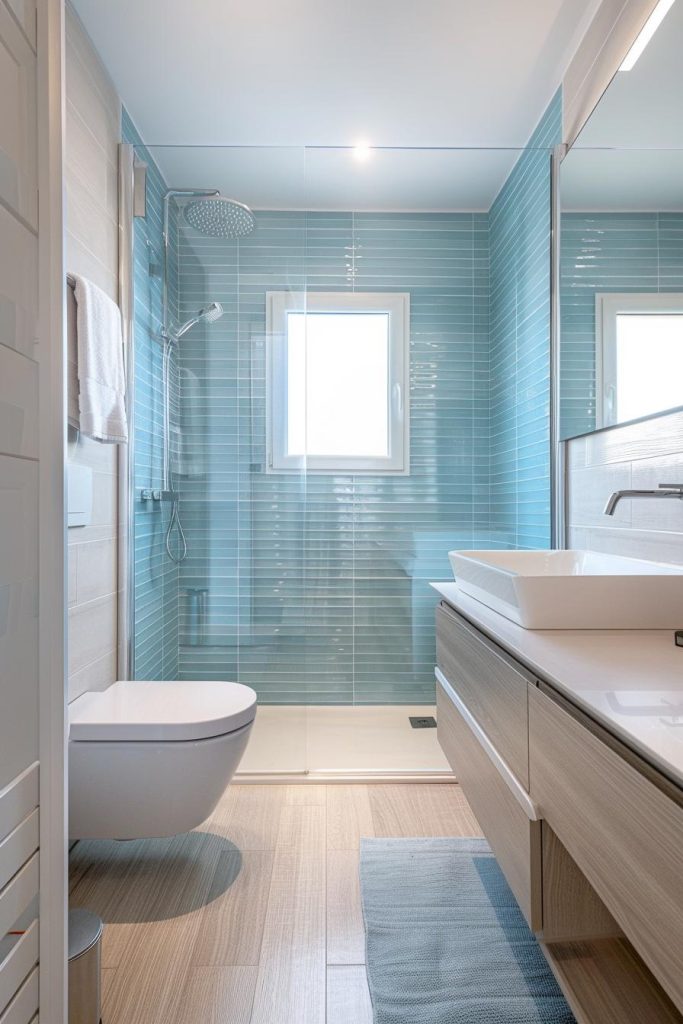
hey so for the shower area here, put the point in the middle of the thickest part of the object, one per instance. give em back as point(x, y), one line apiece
point(322, 407)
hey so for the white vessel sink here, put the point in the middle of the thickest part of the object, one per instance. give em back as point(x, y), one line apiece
point(573, 589)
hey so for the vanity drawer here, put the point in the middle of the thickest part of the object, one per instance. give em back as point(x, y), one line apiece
point(491, 684)
point(513, 836)
point(623, 830)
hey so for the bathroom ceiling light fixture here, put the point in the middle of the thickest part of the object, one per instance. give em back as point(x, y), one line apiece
point(362, 152)
point(646, 33)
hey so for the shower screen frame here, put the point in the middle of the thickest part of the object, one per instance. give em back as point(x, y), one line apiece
point(129, 170)
point(131, 189)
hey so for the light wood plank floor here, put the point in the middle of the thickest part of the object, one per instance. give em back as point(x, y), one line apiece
point(255, 917)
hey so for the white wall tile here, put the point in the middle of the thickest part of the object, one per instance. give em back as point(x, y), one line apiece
point(101, 458)
point(77, 535)
point(88, 220)
point(97, 102)
point(588, 490)
point(92, 632)
point(105, 499)
point(98, 675)
point(575, 454)
point(72, 574)
point(86, 160)
point(652, 545)
point(658, 514)
point(97, 570)
point(92, 137)
point(80, 260)
point(641, 456)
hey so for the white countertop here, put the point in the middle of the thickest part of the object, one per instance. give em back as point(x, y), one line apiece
point(631, 681)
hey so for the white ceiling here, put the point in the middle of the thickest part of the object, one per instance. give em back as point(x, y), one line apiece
point(640, 116)
point(392, 73)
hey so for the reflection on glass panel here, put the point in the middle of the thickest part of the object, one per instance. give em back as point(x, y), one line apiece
point(312, 584)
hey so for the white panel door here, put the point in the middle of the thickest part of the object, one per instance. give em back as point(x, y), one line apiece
point(18, 617)
point(25, 13)
point(18, 120)
point(32, 835)
point(18, 286)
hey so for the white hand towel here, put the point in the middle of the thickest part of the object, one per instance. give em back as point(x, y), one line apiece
point(101, 377)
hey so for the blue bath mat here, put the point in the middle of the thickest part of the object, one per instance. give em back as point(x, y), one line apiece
point(446, 942)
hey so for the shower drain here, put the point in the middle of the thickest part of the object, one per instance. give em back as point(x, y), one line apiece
point(422, 723)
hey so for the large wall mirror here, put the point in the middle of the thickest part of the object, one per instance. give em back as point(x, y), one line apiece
point(621, 247)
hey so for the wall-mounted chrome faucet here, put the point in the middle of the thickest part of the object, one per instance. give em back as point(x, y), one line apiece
point(663, 491)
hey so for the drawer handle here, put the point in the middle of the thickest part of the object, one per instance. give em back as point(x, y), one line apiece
point(508, 776)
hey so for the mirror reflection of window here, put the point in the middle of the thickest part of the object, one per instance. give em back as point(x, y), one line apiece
point(639, 340)
point(621, 195)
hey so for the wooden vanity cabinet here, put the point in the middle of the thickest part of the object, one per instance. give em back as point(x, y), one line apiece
point(589, 837)
point(490, 683)
point(513, 834)
point(622, 829)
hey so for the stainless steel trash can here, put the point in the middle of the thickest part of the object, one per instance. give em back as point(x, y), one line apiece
point(85, 944)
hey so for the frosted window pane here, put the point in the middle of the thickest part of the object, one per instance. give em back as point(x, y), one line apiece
point(649, 363)
point(338, 384)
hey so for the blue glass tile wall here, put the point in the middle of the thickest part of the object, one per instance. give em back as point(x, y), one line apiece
point(156, 576)
point(519, 228)
point(607, 252)
point(317, 586)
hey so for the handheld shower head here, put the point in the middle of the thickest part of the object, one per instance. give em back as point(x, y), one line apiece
point(214, 311)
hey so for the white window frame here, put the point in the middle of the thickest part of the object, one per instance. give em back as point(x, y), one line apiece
point(397, 306)
point(608, 305)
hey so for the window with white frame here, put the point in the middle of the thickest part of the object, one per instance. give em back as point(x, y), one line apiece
point(337, 382)
point(639, 354)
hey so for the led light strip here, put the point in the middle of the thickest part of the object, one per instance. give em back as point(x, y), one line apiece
point(646, 33)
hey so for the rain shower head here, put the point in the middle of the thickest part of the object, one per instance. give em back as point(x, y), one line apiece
point(220, 217)
point(205, 315)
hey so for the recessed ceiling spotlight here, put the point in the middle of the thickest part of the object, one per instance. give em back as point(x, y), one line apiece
point(646, 33)
point(362, 152)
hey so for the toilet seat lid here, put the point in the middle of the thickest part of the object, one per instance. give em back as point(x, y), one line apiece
point(156, 710)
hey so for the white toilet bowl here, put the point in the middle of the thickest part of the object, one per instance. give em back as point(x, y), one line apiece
point(153, 758)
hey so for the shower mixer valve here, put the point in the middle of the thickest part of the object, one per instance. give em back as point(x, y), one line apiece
point(154, 494)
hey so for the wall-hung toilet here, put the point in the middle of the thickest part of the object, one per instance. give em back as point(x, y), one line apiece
point(150, 758)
